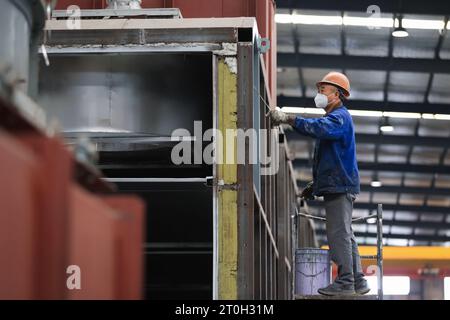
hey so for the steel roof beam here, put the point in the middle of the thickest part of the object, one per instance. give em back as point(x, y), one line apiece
point(397, 189)
point(388, 166)
point(371, 105)
point(391, 207)
point(441, 142)
point(354, 62)
point(412, 224)
point(432, 7)
point(397, 236)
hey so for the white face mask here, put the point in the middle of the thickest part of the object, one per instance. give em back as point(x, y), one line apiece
point(321, 101)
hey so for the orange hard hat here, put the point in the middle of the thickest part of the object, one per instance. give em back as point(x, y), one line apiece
point(337, 79)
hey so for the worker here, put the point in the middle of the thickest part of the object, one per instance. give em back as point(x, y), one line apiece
point(335, 177)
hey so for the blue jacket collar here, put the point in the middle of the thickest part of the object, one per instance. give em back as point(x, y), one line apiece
point(341, 106)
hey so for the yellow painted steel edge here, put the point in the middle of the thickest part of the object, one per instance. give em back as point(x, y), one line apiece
point(227, 172)
point(408, 253)
point(228, 253)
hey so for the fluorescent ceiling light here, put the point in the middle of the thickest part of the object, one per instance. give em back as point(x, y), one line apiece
point(359, 21)
point(436, 116)
point(371, 220)
point(283, 18)
point(376, 183)
point(422, 24)
point(387, 128)
point(311, 19)
point(427, 116)
point(410, 115)
point(368, 22)
point(400, 33)
point(442, 116)
point(370, 113)
point(392, 285)
point(308, 19)
point(366, 113)
point(303, 110)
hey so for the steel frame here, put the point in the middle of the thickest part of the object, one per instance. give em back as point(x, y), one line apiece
point(252, 243)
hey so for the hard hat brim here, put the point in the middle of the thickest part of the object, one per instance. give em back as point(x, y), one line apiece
point(346, 93)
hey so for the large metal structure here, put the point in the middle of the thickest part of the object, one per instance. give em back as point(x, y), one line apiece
point(220, 230)
point(54, 223)
point(262, 10)
point(20, 24)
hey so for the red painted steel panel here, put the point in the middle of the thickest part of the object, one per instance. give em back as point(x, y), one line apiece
point(106, 242)
point(237, 8)
point(47, 222)
point(18, 213)
point(54, 173)
point(156, 4)
point(83, 4)
point(45, 226)
point(92, 240)
point(200, 8)
point(273, 56)
point(129, 245)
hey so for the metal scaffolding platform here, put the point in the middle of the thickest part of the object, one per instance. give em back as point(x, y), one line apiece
point(378, 257)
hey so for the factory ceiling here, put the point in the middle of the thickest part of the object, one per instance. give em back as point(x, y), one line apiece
point(404, 81)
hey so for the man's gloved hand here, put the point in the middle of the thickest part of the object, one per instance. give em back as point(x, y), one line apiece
point(278, 116)
point(307, 193)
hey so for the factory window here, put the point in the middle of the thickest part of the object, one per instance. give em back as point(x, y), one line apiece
point(447, 288)
point(392, 285)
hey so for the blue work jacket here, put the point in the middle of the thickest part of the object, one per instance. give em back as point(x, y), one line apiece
point(335, 169)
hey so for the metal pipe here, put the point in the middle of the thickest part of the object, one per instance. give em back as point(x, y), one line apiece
point(369, 257)
point(215, 125)
point(156, 180)
point(364, 218)
point(294, 235)
point(324, 219)
point(311, 216)
point(380, 250)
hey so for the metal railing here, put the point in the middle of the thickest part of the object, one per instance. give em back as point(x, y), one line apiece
point(379, 256)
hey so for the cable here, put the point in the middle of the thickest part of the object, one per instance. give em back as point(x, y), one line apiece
point(263, 100)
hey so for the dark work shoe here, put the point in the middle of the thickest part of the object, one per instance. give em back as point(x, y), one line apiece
point(361, 287)
point(336, 289)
